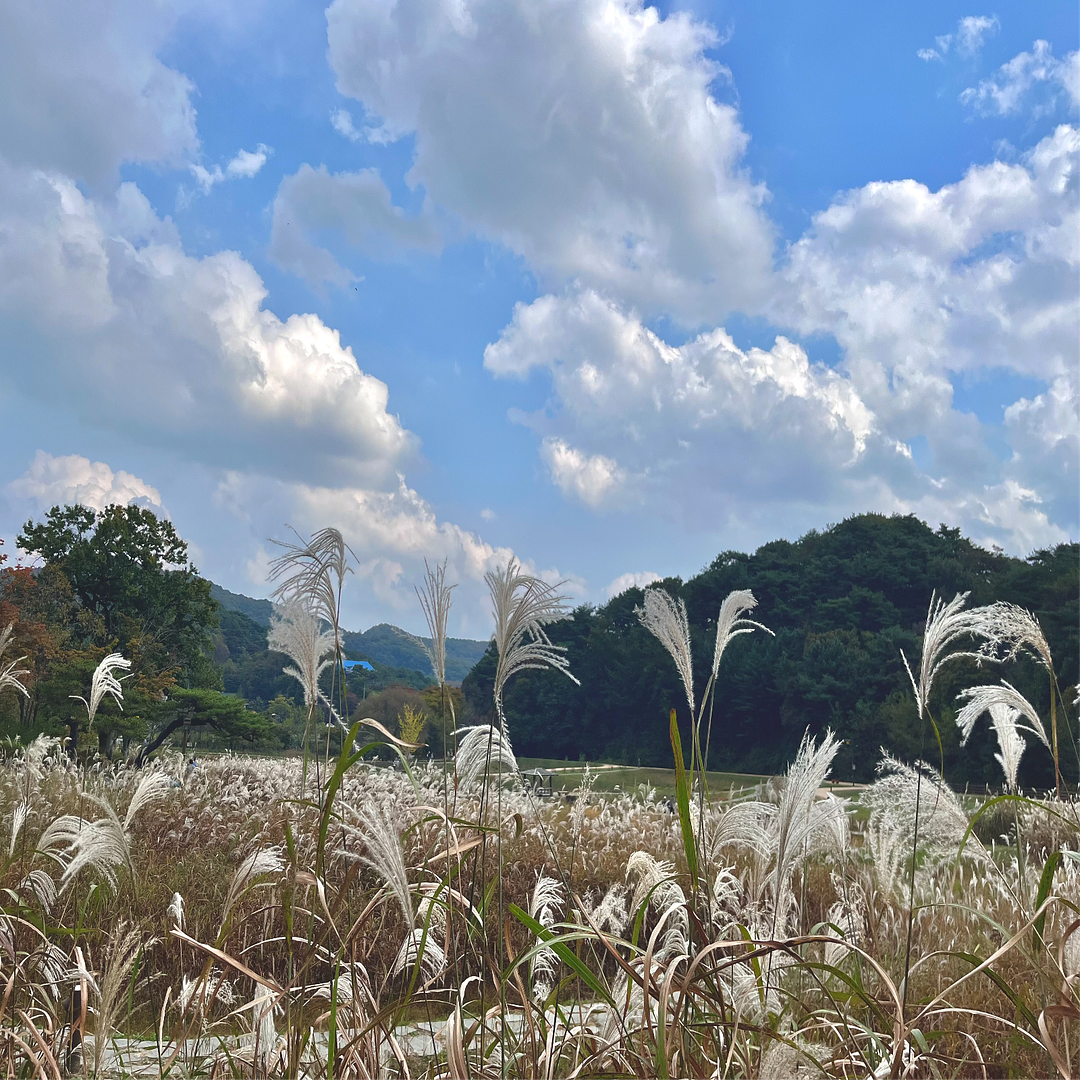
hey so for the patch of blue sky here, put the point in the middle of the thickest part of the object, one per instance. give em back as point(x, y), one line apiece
point(834, 96)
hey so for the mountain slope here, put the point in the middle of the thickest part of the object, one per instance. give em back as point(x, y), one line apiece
point(385, 644)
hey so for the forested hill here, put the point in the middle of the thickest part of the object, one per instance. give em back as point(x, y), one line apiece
point(384, 644)
point(842, 603)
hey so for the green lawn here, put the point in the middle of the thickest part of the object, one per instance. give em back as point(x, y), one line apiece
point(627, 777)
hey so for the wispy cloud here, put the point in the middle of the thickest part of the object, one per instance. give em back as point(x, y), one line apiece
point(1005, 91)
point(244, 165)
point(971, 32)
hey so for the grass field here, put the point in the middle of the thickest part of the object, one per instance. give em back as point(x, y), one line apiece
point(568, 775)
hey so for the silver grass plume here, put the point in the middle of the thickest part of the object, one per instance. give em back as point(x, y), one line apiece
point(296, 631)
point(903, 791)
point(523, 605)
point(434, 597)
point(795, 823)
point(432, 960)
point(152, 787)
point(104, 844)
point(36, 751)
point(656, 884)
point(431, 919)
point(105, 682)
point(264, 1034)
point(258, 863)
point(544, 904)
point(11, 674)
point(76, 843)
point(665, 618)
point(377, 829)
point(848, 914)
point(313, 573)
point(1010, 741)
point(610, 914)
point(42, 886)
point(945, 625)
point(1012, 629)
point(175, 911)
point(730, 622)
point(18, 820)
point(125, 946)
point(482, 751)
point(979, 699)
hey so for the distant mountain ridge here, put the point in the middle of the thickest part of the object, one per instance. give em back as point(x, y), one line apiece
point(384, 643)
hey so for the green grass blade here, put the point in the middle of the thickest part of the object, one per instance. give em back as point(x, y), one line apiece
point(682, 797)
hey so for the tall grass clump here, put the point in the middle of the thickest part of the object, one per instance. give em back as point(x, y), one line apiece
point(439, 919)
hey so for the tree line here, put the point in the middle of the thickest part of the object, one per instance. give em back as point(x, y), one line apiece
point(842, 603)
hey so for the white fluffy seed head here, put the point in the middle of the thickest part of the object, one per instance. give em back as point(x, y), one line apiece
point(665, 618)
point(522, 606)
point(730, 622)
point(981, 699)
point(296, 631)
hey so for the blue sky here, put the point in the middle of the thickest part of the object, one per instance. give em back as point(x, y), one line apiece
point(607, 287)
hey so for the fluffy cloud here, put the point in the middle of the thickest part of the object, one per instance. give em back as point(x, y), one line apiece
point(73, 479)
point(103, 311)
point(584, 136)
point(245, 164)
point(707, 433)
point(690, 426)
point(355, 206)
point(391, 532)
point(981, 275)
point(638, 580)
point(591, 479)
point(1013, 82)
point(83, 89)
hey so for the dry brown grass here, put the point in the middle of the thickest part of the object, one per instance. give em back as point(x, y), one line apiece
point(346, 928)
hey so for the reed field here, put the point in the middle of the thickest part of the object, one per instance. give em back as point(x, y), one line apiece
point(359, 912)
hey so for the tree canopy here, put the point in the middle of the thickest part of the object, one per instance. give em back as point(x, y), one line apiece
point(842, 603)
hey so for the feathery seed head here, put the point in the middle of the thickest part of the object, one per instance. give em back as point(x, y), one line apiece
point(296, 631)
point(105, 682)
point(482, 751)
point(730, 622)
point(377, 829)
point(980, 699)
point(523, 605)
point(945, 625)
point(11, 674)
point(665, 618)
point(1010, 741)
point(312, 573)
point(1010, 628)
point(893, 799)
point(434, 597)
point(175, 911)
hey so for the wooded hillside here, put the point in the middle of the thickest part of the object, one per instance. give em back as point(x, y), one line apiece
point(842, 603)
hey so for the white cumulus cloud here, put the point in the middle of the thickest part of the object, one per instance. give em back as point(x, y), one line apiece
point(245, 164)
point(590, 478)
point(639, 579)
point(73, 479)
point(83, 88)
point(103, 312)
point(585, 136)
point(1005, 92)
point(694, 426)
point(922, 286)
